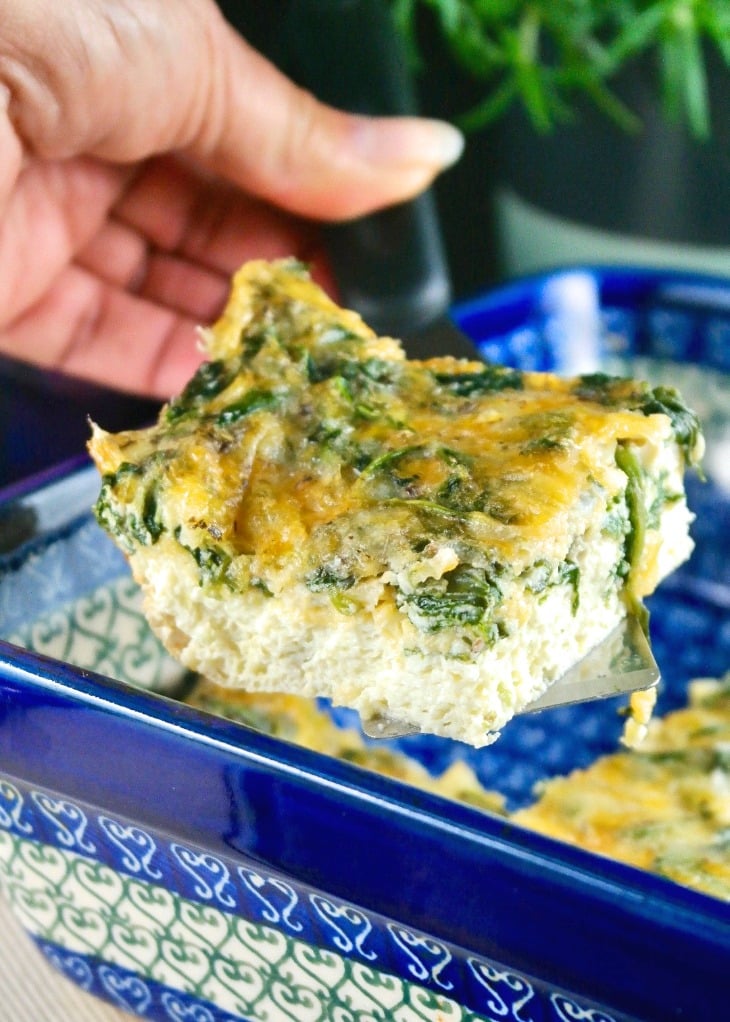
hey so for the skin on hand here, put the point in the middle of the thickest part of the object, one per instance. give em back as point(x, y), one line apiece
point(146, 151)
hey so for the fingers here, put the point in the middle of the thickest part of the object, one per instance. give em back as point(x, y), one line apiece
point(125, 312)
point(93, 328)
point(169, 237)
point(53, 210)
point(176, 237)
point(277, 141)
point(122, 257)
point(171, 210)
point(208, 221)
point(99, 332)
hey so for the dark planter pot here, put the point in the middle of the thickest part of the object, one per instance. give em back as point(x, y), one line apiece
point(592, 192)
point(519, 201)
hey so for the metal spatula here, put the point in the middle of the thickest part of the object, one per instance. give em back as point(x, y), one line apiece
point(621, 664)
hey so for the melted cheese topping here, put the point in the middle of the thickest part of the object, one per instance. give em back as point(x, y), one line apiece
point(305, 435)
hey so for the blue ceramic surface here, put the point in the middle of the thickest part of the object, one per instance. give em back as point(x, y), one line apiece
point(106, 786)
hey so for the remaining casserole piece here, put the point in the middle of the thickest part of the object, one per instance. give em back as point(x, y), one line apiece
point(664, 807)
point(436, 541)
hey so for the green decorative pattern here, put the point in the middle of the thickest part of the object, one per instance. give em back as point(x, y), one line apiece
point(104, 631)
point(245, 968)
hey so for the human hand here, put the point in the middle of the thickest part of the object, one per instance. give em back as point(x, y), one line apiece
point(145, 152)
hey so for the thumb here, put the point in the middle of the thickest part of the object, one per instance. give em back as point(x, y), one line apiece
point(280, 143)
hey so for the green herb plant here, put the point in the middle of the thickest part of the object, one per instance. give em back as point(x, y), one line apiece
point(544, 54)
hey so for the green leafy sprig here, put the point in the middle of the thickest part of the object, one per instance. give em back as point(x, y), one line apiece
point(543, 54)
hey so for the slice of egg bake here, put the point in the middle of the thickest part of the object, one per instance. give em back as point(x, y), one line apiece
point(437, 541)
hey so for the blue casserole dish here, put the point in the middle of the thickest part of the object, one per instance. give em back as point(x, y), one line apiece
point(185, 866)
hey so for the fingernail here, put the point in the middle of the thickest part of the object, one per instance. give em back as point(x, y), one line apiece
point(436, 142)
point(409, 141)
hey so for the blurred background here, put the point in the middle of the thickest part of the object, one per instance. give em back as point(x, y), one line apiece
point(596, 130)
point(597, 133)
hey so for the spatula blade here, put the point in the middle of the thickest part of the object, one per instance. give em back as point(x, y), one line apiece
point(621, 664)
